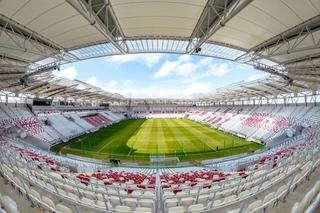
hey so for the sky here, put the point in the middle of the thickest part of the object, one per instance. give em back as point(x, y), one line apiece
point(159, 75)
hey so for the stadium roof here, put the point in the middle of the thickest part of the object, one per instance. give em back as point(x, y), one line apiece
point(53, 86)
point(281, 37)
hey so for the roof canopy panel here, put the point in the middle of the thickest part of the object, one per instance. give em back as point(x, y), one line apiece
point(158, 18)
point(263, 19)
point(56, 20)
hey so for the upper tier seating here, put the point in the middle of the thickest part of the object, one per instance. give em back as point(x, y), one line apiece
point(262, 123)
point(22, 118)
point(81, 122)
point(98, 120)
point(70, 124)
point(44, 112)
point(112, 116)
point(65, 127)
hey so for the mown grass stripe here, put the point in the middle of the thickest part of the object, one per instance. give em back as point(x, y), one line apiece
point(136, 139)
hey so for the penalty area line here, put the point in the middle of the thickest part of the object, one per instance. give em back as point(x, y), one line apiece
point(209, 146)
point(130, 152)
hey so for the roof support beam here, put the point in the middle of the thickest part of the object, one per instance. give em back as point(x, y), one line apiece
point(73, 92)
point(298, 85)
point(215, 15)
point(50, 90)
point(11, 64)
point(262, 93)
point(64, 90)
point(305, 70)
point(305, 59)
point(41, 69)
point(275, 91)
point(305, 78)
point(290, 41)
point(93, 96)
point(308, 75)
point(9, 83)
point(273, 71)
point(87, 95)
point(251, 94)
point(34, 87)
point(275, 87)
point(292, 38)
point(11, 72)
point(25, 39)
point(53, 94)
point(99, 13)
point(9, 59)
point(307, 64)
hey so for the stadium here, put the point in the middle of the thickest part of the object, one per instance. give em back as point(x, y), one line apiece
point(217, 109)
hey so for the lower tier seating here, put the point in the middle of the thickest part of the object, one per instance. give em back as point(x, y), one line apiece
point(53, 185)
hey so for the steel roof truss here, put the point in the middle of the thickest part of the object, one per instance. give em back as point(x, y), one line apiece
point(99, 13)
point(26, 39)
point(214, 16)
point(290, 40)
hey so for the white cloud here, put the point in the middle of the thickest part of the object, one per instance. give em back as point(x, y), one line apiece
point(127, 83)
point(215, 70)
point(183, 66)
point(184, 58)
point(149, 59)
point(185, 69)
point(166, 69)
point(112, 84)
point(218, 70)
point(93, 81)
point(69, 73)
point(198, 88)
point(158, 91)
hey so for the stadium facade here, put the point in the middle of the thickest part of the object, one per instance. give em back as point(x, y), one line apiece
point(39, 110)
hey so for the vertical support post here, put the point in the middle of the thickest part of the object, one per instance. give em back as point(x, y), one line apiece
point(305, 100)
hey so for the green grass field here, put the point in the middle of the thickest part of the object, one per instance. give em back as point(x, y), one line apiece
point(136, 139)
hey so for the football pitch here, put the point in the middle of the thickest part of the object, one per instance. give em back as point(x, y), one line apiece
point(137, 139)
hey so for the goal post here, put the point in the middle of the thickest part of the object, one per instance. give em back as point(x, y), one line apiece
point(162, 160)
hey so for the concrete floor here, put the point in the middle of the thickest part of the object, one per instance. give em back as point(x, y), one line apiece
point(298, 194)
point(24, 206)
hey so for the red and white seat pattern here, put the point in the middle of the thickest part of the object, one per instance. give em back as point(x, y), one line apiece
point(37, 157)
point(257, 122)
point(30, 124)
point(255, 119)
point(98, 120)
point(22, 118)
point(140, 180)
point(111, 116)
point(178, 181)
point(191, 177)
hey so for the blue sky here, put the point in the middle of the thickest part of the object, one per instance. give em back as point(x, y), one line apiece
point(159, 75)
